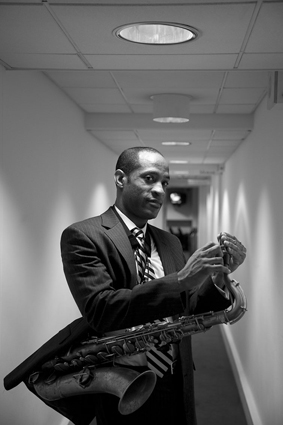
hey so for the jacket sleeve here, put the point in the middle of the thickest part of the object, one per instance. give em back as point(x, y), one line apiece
point(206, 298)
point(102, 286)
point(201, 299)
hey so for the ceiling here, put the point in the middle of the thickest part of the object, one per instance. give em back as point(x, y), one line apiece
point(226, 70)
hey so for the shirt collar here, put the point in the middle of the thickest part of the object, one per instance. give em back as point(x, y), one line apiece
point(130, 225)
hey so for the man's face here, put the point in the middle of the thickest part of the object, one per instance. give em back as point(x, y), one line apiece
point(144, 189)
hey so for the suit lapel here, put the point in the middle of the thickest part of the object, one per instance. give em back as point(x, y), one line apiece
point(119, 235)
point(164, 251)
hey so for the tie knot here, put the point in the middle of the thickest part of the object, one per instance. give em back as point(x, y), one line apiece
point(138, 233)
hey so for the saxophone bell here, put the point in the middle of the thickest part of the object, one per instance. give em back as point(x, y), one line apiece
point(131, 387)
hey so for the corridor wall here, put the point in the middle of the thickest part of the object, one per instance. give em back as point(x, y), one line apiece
point(51, 175)
point(246, 201)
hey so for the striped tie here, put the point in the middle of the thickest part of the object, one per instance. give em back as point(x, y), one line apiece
point(140, 254)
point(157, 360)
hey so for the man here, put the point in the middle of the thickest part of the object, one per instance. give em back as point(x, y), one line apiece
point(100, 268)
point(101, 264)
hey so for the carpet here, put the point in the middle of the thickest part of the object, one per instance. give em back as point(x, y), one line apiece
point(217, 398)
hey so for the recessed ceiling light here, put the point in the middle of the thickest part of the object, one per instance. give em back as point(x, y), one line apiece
point(156, 33)
point(176, 143)
point(175, 161)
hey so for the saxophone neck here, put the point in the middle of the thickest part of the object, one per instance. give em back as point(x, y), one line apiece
point(239, 301)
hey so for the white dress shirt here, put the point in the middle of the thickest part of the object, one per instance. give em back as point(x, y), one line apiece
point(140, 359)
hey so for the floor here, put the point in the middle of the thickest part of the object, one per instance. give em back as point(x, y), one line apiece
point(217, 398)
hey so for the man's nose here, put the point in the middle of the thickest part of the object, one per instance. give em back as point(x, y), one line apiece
point(158, 188)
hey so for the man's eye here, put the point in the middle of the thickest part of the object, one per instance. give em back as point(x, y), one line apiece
point(149, 178)
point(165, 184)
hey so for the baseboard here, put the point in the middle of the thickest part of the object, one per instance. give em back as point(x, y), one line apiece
point(246, 395)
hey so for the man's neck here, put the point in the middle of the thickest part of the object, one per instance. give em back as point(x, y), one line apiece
point(125, 217)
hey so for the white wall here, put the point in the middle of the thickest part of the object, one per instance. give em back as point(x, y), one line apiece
point(251, 206)
point(52, 174)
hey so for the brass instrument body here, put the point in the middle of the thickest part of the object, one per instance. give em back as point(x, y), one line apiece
point(58, 378)
point(97, 351)
point(131, 387)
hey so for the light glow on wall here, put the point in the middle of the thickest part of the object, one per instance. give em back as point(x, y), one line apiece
point(225, 213)
point(99, 200)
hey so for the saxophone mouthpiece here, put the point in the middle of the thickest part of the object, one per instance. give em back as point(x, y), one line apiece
point(226, 255)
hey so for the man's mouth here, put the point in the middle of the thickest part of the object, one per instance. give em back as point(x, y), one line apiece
point(155, 203)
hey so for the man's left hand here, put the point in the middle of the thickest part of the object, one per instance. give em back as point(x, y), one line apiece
point(235, 249)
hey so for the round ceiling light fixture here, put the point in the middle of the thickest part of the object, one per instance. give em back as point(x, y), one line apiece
point(156, 33)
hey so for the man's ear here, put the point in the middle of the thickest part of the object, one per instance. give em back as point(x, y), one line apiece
point(120, 178)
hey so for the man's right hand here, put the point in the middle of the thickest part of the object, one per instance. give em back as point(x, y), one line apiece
point(204, 262)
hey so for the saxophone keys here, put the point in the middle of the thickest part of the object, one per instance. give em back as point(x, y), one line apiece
point(91, 359)
point(62, 367)
point(105, 356)
point(117, 350)
point(76, 363)
point(84, 378)
point(165, 337)
point(128, 347)
point(140, 345)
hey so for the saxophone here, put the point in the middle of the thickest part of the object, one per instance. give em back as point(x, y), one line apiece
point(79, 371)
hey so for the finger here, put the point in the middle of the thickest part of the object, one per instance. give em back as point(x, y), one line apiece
point(231, 242)
point(211, 249)
point(219, 268)
point(214, 251)
point(226, 237)
point(236, 249)
point(214, 260)
point(237, 257)
point(207, 246)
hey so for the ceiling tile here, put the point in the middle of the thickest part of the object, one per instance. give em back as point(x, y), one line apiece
point(246, 79)
point(95, 96)
point(236, 109)
point(120, 145)
point(109, 108)
point(115, 136)
point(31, 29)
point(162, 61)
point(241, 96)
point(215, 159)
point(42, 61)
point(172, 79)
point(234, 135)
point(272, 61)
point(83, 79)
point(225, 145)
point(175, 135)
point(268, 26)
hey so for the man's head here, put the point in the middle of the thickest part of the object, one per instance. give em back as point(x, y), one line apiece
point(141, 178)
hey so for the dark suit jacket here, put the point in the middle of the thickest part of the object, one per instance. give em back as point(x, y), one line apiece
point(100, 269)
